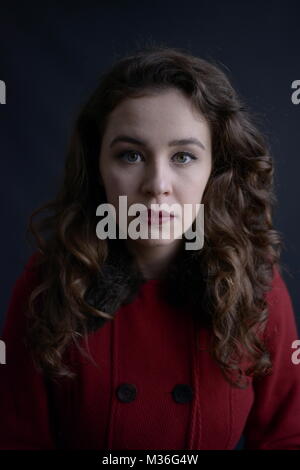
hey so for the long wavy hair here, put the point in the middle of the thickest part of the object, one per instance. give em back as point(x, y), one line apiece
point(241, 247)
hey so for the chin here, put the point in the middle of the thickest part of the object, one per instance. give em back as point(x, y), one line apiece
point(152, 243)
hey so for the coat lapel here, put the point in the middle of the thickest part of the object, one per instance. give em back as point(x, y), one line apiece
point(120, 279)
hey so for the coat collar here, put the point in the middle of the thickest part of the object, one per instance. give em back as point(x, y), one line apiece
point(118, 283)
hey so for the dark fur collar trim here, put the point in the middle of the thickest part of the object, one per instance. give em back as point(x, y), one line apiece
point(183, 286)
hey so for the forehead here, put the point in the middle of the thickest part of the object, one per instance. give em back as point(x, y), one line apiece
point(168, 111)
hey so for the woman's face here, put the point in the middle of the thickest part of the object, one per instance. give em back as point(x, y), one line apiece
point(138, 158)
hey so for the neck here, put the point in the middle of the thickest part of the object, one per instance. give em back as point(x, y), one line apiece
point(154, 261)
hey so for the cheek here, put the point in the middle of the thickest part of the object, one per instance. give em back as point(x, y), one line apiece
point(192, 191)
point(199, 181)
point(118, 184)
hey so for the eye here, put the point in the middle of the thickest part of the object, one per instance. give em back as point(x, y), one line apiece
point(191, 156)
point(132, 153)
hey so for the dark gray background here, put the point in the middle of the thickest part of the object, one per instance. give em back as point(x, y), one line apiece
point(52, 55)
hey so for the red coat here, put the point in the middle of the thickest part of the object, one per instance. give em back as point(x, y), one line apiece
point(152, 390)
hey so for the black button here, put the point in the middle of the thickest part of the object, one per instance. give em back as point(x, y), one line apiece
point(182, 393)
point(126, 392)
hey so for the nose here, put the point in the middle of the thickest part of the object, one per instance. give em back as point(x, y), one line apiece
point(157, 179)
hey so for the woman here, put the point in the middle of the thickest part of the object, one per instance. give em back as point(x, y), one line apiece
point(141, 343)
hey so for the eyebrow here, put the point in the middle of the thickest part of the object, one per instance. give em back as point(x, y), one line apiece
point(173, 143)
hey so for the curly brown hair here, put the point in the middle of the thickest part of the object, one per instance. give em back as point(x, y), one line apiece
point(241, 247)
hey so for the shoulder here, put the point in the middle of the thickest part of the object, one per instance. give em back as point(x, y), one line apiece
point(281, 317)
point(278, 288)
point(25, 282)
point(31, 264)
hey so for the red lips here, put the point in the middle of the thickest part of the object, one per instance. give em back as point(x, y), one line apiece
point(158, 217)
point(159, 214)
